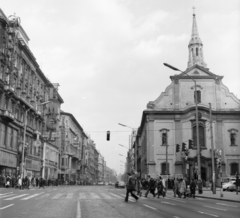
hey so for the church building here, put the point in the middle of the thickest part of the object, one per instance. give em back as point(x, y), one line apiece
point(168, 125)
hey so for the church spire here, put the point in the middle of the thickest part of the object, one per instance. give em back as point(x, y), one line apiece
point(195, 46)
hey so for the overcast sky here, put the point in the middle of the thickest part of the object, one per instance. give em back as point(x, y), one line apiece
point(108, 55)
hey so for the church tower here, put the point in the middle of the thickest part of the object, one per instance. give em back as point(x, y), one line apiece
point(195, 47)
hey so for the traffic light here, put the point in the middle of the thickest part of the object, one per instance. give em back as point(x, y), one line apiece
point(184, 148)
point(219, 163)
point(177, 148)
point(108, 135)
point(190, 144)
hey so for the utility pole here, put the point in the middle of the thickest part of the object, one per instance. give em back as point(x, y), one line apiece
point(212, 151)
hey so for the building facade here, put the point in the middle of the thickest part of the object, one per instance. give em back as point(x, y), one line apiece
point(24, 92)
point(171, 120)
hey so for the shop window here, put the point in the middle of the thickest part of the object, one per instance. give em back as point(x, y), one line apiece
point(234, 168)
point(164, 169)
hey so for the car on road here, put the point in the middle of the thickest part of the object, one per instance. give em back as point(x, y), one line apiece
point(121, 184)
point(232, 187)
point(101, 183)
point(229, 185)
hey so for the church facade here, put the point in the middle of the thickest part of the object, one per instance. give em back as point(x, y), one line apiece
point(170, 121)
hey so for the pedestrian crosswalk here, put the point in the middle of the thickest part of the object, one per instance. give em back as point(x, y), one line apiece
point(63, 195)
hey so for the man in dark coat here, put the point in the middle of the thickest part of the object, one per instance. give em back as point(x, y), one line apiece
point(131, 187)
point(237, 183)
point(151, 187)
point(193, 188)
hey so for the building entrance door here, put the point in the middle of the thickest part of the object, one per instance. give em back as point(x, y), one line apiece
point(203, 173)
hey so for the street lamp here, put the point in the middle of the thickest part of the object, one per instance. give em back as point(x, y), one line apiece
point(125, 126)
point(24, 134)
point(196, 110)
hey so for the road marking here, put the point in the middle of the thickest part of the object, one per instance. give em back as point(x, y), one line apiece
point(43, 196)
point(215, 208)
point(95, 196)
point(5, 196)
point(6, 193)
point(78, 209)
point(32, 196)
point(117, 196)
point(226, 205)
point(164, 202)
point(207, 214)
point(18, 196)
point(69, 195)
point(6, 206)
point(176, 200)
point(149, 206)
point(106, 196)
point(57, 196)
point(82, 195)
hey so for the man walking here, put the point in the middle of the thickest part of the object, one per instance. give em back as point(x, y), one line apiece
point(151, 187)
point(237, 183)
point(193, 188)
point(130, 187)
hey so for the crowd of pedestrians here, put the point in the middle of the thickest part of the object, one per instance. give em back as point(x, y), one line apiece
point(158, 186)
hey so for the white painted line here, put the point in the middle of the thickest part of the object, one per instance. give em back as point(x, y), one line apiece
point(164, 202)
point(226, 205)
point(95, 196)
point(6, 206)
point(208, 214)
point(32, 196)
point(78, 209)
point(149, 206)
point(6, 193)
point(215, 208)
point(82, 195)
point(69, 195)
point(57, 196)
point(43, 196)
point(5, 196)
point(117, 196)
point(175, 200)
point(106, 196)
point(18, 196)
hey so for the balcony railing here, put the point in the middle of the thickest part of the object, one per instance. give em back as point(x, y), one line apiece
point(8, 114)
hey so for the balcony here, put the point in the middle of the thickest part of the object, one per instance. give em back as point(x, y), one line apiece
point(8, 115)
point(9, 89)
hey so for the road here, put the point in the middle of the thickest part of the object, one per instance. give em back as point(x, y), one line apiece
point(105, 201)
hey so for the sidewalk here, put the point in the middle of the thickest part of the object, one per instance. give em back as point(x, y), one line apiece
point(227, 196)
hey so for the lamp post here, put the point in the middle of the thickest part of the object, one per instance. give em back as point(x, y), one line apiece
point(24, 134)
point(196, 110)
point(123, 146)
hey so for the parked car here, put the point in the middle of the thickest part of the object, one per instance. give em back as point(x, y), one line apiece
point(227, 185)
point(232, 187)
point(121, 184)
point(101, 183)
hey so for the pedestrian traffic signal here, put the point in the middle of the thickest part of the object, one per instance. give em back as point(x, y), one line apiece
point(190, 144)
point(184, 148)
point(177, 148)
point(108, 135)
point(219, 163)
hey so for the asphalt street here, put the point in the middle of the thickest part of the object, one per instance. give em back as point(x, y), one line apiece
point(105, 201)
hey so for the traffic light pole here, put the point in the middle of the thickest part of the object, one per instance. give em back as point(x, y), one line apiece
point(212, 149)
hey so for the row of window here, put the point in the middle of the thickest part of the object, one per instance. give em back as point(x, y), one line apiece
point(10, 139)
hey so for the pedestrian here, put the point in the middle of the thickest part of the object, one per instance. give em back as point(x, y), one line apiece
point(193, 188)
point(26, 182)
point(20, 182)
point(151, 187)
point(7, 184)
point(237, 183)
point(200, 186)
point(182, 188)
point(130, 187)
point(139, 187)
point(175, 186)
point(160, 187)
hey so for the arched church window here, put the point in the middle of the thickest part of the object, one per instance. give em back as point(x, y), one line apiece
point(196, 51)
point(197, 96)
point(202, 136)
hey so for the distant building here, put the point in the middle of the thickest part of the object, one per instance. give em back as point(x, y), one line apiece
point(170, 120)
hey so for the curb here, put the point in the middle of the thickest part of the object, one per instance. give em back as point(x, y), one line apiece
point(221, 199)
